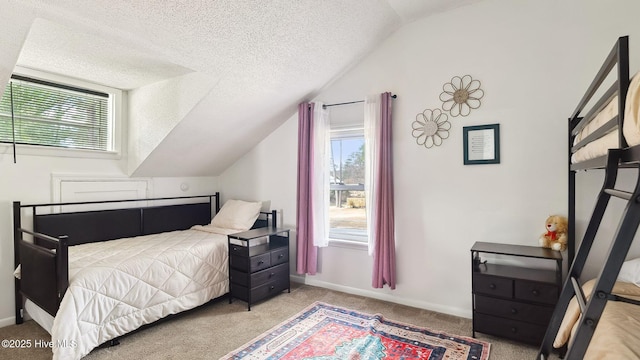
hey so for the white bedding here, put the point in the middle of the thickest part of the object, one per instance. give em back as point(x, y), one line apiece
point(630, 130)
point(117, 286)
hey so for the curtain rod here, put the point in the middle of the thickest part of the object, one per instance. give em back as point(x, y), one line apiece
point(351, 102)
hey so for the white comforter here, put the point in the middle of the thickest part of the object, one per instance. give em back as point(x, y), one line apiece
point(117, 286)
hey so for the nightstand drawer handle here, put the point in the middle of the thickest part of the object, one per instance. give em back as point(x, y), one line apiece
point(492, 286)
point(514, 311)
point(271, 275)
point(280, 256)
point(535, 292)
point(514, 330)
point(272, 287)
point(260, 262)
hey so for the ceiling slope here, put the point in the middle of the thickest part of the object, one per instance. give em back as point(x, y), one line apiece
point(209, 79)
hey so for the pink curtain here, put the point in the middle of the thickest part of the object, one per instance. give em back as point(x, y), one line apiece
point(384, 256)
point(307, 253)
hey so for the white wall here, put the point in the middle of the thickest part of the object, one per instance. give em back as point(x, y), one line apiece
point(155, 109)
point(535, 59)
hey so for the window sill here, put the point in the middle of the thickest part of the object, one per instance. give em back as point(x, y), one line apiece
point(349, 244)
point(35, 150)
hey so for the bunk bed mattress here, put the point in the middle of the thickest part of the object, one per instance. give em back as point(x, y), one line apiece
point(630, 129)
point(617, 335)
point(119, 285)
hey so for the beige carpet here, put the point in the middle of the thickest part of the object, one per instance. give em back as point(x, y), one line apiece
point(218, 328)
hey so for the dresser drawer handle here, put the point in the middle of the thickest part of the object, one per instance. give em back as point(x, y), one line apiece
point(514, 311)
point(272, 287)
point(535, 292)
point(280, 256)
point(514, 330)
point(260, 262)
point(492, 286)
point(271, 275)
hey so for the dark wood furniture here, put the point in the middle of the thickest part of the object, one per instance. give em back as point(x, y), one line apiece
point(258, 264)
point(513, 301)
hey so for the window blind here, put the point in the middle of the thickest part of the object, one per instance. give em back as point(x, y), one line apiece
point(50, 114)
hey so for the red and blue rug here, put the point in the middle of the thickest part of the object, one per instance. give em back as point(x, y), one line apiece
point(327, 332)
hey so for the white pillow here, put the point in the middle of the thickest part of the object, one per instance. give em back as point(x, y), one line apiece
point(630, 271)
point(237, 214)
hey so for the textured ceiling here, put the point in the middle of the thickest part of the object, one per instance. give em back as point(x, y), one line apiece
point(265, 57)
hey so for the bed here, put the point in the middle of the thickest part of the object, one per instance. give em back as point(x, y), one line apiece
point(618, 330)
point(600, 319)
point(89, 277)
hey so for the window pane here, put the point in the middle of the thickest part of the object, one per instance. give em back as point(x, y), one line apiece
point(54, 115)
point(347, 216)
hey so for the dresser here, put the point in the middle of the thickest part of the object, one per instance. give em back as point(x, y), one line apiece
point(511, 300)
point(258, 264)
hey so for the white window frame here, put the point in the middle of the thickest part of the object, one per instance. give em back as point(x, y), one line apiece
point(116, 120)
point(349, 238)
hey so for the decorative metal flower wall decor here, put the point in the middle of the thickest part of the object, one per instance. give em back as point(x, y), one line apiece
point(431, 127)
point(461, 95)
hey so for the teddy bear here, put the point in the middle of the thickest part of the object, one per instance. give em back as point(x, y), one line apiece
point(556, 235)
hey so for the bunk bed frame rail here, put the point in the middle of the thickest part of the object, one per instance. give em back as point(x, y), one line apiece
point(624, 156)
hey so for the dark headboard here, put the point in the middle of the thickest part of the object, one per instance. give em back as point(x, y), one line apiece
point(86, 227)
point(101, 225)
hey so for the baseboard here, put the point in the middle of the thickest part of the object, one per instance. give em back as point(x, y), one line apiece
point(450, 310)
point(7, 321)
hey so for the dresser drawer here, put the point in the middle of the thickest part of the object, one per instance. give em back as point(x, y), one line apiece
point(535, 291)
point(492, 285)
point(538, 314)
point(279, 256)
point(512, 329)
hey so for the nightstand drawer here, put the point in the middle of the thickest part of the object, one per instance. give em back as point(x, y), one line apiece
point(534, 291)
point(512, 329)
point(279, 256)
point(262, 277)
point(259, 262)
point(238, 250)
point(259, 278)
point(492, 285)
point(239, 262)
point(260, 292)
point(270, 288)
point(538, 314)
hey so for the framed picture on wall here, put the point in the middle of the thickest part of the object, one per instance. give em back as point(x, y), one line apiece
point(481, 144)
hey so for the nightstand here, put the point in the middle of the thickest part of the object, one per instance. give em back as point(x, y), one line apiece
point(258, 264)
point(514, 301)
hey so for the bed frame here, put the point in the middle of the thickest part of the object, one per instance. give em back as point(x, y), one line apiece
point(621, 157)
point(44, 260)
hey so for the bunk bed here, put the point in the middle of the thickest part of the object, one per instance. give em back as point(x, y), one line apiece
point(600, 319)
point(89, 277)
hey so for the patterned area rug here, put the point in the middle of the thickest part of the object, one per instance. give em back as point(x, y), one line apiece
point(324, 332)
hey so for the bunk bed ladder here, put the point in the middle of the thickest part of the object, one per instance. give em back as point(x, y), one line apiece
point(591, 309)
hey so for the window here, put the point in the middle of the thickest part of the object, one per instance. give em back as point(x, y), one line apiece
point(347, 214)
point(35, 111)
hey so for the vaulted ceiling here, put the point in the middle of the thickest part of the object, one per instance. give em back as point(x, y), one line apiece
point(207, 80)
